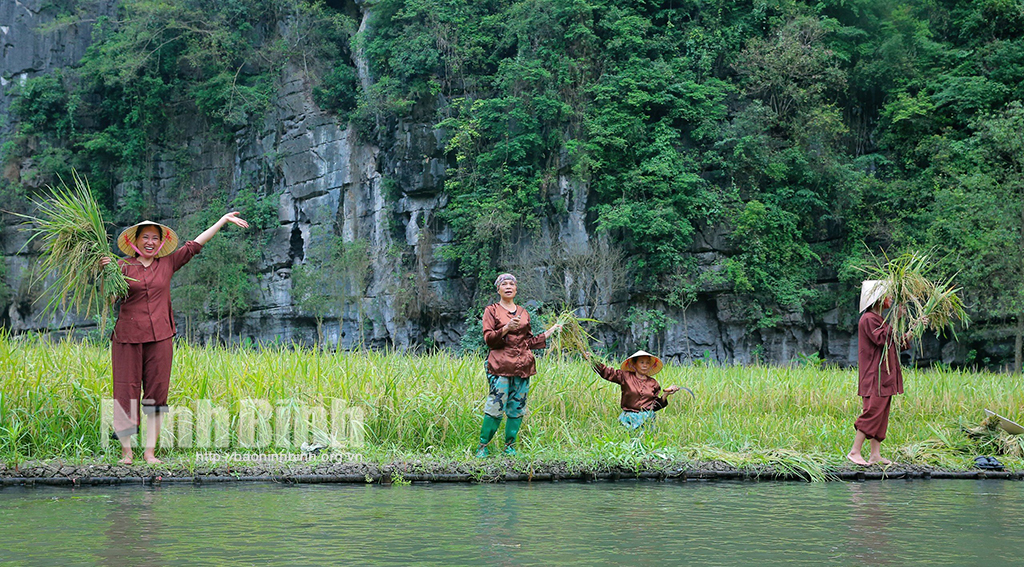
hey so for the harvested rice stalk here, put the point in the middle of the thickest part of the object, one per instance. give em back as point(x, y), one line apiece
point(74, 239)
point(938, 302)
point(988, 426)
point(573, 339)
point(988, 437)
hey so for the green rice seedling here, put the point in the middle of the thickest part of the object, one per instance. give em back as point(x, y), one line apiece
point(909, 286)
point(74, 238)
point(573, 339)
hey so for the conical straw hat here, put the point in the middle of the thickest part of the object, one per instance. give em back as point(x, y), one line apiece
point(871, 291)
point(627, 364)
point(128, 235)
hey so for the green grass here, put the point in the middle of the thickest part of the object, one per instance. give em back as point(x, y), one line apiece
point(429, 407)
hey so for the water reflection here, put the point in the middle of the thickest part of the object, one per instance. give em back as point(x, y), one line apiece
point(498, 518)
point(638, 523)
point(868, 526)
point(132, 526)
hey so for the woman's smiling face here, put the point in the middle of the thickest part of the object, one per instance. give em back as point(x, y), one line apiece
point(147, 240)
point(507, 289)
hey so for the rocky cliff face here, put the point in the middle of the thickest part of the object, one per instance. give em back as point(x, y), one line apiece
point(27, 52)
point(330, 178)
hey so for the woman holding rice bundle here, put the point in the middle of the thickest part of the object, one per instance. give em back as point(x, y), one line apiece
point(878, 378)
point(510, 364)
point(141, 347)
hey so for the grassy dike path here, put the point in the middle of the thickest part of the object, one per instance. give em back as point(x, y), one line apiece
point(401, 418)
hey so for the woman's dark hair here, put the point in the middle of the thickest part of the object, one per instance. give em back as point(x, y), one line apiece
point(159, 231)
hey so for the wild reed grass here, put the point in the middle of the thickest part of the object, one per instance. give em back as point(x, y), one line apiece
point(74, 238)
point(429, 406)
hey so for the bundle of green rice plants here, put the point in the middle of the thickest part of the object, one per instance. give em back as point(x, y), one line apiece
point(779, 462)
point(74, 238)
point(916, 298)
point(944, 308)
point(573, 339)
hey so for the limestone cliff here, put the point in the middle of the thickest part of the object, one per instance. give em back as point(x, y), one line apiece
point(387, 192)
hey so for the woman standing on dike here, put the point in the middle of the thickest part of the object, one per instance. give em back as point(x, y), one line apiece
point(141, 347)
point(878, 379)
point(510, 364)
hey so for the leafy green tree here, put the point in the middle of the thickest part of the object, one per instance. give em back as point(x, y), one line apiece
point(978, 215)
point(220, 281)
point(159, 60)
point(6, 291)
point(332, 276)
point(806, 130)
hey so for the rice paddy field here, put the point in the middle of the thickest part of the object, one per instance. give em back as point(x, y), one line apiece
point(429, 406)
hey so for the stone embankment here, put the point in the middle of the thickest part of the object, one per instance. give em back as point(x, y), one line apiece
point(491, 471)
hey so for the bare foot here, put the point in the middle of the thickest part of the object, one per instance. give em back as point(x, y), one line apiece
point(125, 461)
point(879, 460)
point(857, 459)
point(126, 456)
point(150, 457)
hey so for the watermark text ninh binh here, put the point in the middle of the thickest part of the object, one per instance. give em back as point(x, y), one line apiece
point(251, 424)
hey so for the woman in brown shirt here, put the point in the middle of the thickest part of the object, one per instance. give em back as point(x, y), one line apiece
point(510, 364)
point(141, 346)
point(877, 380)
point(641, 393)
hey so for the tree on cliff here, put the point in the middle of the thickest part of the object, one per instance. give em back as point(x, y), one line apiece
point(331, 276)
point(796, 131)
point(220, 281)
point(978, 214)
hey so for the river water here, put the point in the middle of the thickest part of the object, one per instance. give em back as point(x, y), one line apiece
point(933, 522)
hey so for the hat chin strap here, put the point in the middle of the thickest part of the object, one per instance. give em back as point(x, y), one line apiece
point(139, 252)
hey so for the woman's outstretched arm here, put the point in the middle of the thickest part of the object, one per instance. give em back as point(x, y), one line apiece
point(231, 217)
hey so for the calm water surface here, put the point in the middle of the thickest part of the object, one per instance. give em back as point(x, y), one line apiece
point(639, 523)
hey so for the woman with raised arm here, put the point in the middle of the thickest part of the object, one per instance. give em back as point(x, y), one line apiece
point(641, 393)
point(141, 346)
point(510, 364)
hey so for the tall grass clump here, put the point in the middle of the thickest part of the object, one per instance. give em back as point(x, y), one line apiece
point(74, 238)
point(50, 396)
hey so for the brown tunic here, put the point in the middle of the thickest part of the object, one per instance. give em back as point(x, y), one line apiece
point(639, 392)
point(146, 314)
point(141, 348)
point(875, 376)
point(512, 354)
